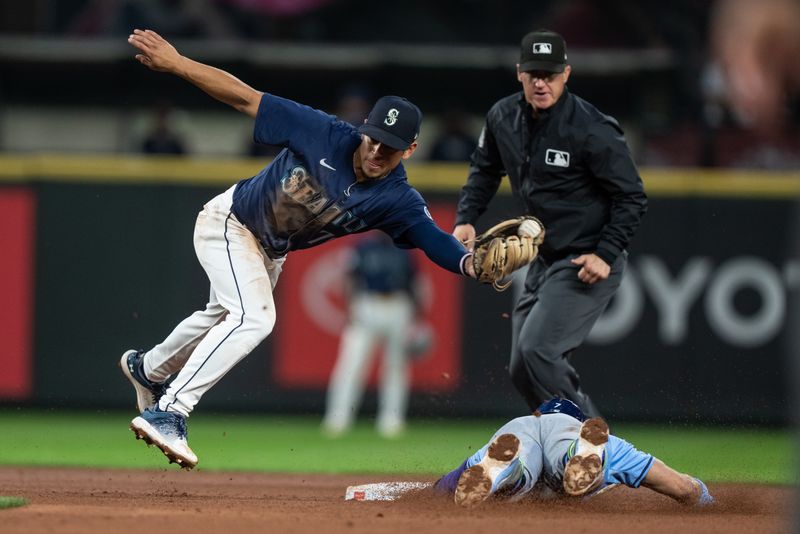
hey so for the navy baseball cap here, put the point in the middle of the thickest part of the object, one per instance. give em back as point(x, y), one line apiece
point(543, 50)
point(559, 405)
point(394, 121)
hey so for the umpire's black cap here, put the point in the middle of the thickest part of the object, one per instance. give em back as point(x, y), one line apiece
point(543, 50)
point(394, 121)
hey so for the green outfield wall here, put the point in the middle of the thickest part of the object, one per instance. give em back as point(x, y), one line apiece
point(98, 258)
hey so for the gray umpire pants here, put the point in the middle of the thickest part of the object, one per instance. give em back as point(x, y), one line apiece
point(552, 318)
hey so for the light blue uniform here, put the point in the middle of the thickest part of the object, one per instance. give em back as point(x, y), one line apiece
point(545, 442)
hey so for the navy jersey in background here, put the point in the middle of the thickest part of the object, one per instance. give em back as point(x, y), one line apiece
point(380, 267)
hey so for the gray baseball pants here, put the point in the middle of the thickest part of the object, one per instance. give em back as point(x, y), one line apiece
point(552, 318)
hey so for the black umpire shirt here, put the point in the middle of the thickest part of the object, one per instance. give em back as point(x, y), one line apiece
point(571, 167)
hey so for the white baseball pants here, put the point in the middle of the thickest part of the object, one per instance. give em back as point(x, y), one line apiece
point(240, 312)
point(374, 319)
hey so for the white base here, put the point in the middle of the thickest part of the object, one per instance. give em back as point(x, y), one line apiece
point(383, 491)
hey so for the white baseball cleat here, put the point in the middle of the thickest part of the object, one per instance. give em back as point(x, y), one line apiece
point(584, 470)
point(499, 468)
point(168, 432)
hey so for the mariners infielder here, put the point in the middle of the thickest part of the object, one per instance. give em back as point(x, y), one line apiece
point(566, 453)
point(382, 309)
point(331, 179)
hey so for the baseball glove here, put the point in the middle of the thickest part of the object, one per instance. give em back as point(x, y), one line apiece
point(506, 247)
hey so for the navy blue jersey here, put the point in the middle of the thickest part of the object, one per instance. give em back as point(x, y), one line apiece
point(379, 267)
point(308, 194)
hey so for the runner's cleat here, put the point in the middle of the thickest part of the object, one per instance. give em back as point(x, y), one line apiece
point(584, 470)
point(499, 468)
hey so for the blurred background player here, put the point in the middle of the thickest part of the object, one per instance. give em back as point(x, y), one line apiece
point(162, 137)
point(383, 306)
point(353, 104)
point(570, 455)
point(572, 168)
point(456, 142)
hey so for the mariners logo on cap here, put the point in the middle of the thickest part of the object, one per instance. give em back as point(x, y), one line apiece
point(542, 48)
point(394, 121)
point(391, 117)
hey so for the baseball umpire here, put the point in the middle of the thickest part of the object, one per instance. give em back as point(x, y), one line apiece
point(571, 167)
point(560, 450)
point(329, 180)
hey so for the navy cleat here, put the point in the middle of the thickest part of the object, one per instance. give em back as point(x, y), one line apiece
point(583, 472)
point(499, 468)
point(147, 392)
point(168, 432)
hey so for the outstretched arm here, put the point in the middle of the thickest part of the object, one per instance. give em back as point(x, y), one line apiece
point(158, 54)
point(441, 247)
point(681, 487)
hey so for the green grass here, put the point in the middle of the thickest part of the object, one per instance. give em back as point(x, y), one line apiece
point(720, 454)
point(294, 444)
point(11, 502)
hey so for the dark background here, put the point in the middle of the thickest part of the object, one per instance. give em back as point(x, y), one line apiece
point(121, 274)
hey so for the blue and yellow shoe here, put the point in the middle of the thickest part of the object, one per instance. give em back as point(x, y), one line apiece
point(499, 468)
point(583, 472)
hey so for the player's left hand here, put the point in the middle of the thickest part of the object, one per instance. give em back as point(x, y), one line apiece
point(157, 54)
point(593, 268)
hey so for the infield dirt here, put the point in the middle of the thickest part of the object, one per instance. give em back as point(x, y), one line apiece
point(123, 501)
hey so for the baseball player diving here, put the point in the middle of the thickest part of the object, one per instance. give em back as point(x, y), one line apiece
point(329, 180)
point(557, 450)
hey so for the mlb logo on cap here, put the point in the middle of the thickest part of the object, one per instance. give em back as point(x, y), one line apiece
point(543, 50)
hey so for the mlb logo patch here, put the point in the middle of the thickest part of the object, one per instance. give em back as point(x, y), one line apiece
point(557, 158)
point(542, 48)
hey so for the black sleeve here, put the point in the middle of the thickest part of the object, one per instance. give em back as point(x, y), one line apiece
point(486, 170)
point(611, 163)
